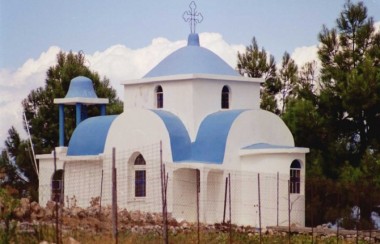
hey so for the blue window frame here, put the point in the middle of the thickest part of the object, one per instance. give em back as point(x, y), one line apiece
point(295, 177)
point(159, 97)
point(225, 97)
point(140, 176)
point(140, 183)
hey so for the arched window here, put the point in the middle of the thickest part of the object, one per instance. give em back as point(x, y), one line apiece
point(159, 97)
point(225, 97)
point(295, 177)
point(140, 176)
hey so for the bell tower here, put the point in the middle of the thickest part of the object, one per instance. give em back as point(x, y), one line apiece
point(81, 94)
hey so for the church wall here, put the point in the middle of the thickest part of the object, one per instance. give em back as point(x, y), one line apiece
point(82, 182)
point(207, 97)
point(268, 165)
point(139, 96)
point(192, 100)
point(46, 171)
point(251, 127)
point(135, 129)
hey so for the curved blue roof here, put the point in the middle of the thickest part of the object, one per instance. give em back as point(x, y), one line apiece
point(90, 136)
point(210, 144)
point(179, 137)
point(266, 146)
point(192, 59)
point(81, 86)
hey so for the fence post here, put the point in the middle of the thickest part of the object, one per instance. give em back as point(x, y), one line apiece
point(312, 213)
point(198, 190)
point(258, 186)
point(101, 193)
point(225, 201)
point(278, 194)
point(56, 202)
point(114, 197)
point(229, 200)
point(289, 209)
point(163, 197)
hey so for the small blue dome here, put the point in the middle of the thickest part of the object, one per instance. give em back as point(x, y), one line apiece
point(192, 59)
point(90, 136)
point(81, 87)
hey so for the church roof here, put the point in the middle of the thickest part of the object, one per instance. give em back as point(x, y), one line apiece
point(179, 137)
point(90, 136)
point(192, 59)
point(210, 144)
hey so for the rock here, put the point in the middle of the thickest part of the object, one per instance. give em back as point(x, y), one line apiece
point(35, 207)
point(19, 212)
point(50, 205)
point(150, 219)
point(135, 216)
point(79, 212)
point(73, 241)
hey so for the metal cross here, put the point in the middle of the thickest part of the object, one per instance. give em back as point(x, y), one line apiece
point(192, 16)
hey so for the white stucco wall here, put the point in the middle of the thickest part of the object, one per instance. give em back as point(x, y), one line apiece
point(46, 171)
point(193, 97)
point(251, 127)
point(135, 129)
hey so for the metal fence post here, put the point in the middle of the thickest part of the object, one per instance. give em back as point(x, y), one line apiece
point(229, 200)
point(258, 186)
point(114, 197)
point(289, 209)
point(225, 201)
point(278, 194)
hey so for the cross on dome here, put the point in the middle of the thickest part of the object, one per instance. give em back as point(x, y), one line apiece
point(192, 16)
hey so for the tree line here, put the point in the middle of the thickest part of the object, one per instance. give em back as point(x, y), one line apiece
point(332, 106)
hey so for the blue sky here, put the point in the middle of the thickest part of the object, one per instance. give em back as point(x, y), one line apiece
point(124, 39)
point(31, 27)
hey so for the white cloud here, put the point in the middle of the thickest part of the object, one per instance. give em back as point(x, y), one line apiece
point(117, 62)
point(15, 86)
point(377, 26)
point(303, 55)
point(120, 63)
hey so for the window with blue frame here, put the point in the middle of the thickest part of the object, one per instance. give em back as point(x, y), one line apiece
point(140, 176)
point(295, 177)
point(225, 97)
point(159, 97)
point(140, 183)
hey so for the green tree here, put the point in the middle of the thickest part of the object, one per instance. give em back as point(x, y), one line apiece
point(256, 63)
point(350, 93)
point(288, 76)
point(42, 113)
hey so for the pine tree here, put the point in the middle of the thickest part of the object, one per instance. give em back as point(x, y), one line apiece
point(350, 94)
point(256, 63)
point(42, 115)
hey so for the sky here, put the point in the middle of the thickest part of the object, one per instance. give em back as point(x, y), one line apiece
point(124, 39)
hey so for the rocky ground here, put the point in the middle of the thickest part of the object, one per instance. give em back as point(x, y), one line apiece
point(95, 219)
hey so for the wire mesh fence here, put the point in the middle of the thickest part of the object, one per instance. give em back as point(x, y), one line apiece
point(197, 193)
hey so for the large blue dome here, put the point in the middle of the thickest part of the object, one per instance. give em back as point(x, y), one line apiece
point(192, 59)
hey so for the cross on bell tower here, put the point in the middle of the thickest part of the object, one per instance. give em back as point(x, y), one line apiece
point(192, 16)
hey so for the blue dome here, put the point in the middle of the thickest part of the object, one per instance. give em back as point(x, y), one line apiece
point(81, 87)
point(192, 59)
point(90, 136)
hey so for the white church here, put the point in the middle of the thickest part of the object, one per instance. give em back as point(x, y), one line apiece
point(208, 121)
